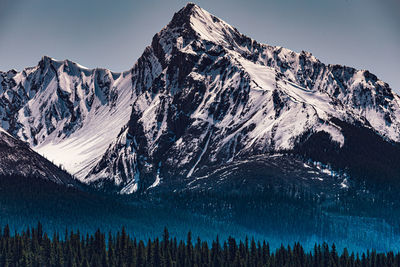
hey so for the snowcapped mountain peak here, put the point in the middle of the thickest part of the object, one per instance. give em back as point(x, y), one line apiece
point(67, 64)
point(211, 28)
point(202, 94)
point(184, 14)
point(47, 61)
point(193, 22)
point(55, 105)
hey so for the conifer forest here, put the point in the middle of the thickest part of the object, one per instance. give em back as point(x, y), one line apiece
point(34, 247)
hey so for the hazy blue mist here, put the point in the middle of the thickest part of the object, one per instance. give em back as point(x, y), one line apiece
point(364, 34)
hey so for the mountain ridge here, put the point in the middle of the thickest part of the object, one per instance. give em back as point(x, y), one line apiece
point(202, 94)
point(18, 159)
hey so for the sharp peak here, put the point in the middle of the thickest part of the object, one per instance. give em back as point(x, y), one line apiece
point(193, 20)
point(181, 17)
point(189, 11)
point(189, 7)
point(46, 60)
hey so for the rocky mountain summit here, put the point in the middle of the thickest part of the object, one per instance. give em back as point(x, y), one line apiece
point(202, 96)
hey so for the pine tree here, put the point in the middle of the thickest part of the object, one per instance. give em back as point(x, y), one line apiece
point(189, 250)
point(253, 253)
point(149, 253)
point(141, 256)
point(166, 250)
point(156, 253)
point(215, 253)
point(266, 253)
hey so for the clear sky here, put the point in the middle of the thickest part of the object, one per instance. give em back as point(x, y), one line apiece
point(364, 34)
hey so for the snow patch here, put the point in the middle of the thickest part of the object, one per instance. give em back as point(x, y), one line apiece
point(344, 183)
point(158, 180)
point(132, 186)
point(201, 155)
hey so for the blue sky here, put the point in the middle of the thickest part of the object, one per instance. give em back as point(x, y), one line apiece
point(364, 34)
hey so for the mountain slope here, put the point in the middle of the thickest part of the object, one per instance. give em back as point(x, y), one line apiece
point(202, 95)
point(65, 111)
point(17, 159)
point(223, 97)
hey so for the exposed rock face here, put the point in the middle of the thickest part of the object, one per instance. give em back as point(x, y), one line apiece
point(202, 95)
point(17, 159)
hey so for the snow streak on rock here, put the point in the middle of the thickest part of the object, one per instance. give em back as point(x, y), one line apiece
point(202, 94)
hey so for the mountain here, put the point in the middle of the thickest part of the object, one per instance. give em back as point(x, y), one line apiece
point(222, 97)
point(209, 130)
point(204, 97)
point(64, 111)
point(17, 159)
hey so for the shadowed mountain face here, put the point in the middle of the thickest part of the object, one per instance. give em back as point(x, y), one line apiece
point(221, 97)
point(201, 97)
point(17, 159)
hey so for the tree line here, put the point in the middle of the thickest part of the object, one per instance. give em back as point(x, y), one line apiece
point(34, 247)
